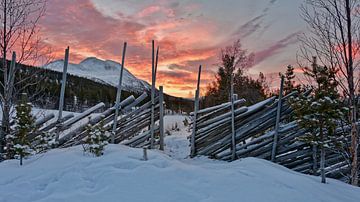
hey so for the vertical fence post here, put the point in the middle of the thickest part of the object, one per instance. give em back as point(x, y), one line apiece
point(118, 95)
point(145, 156)
point(233, 137)
point(196, 108)
point(161, 121)
point(11, 79)
point(277, 123)
point(62, 91)
point(152, 141)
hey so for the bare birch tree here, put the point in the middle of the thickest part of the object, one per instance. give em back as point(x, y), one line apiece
point(18, 33)
point(334, 33)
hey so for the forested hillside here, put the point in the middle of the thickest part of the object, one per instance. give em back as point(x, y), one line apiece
point(80, 92)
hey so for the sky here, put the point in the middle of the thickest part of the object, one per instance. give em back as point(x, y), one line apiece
point(189, 33)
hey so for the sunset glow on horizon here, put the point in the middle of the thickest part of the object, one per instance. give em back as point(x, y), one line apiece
point(189, 33)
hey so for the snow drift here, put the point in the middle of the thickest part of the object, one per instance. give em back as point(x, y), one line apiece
point(122, 175)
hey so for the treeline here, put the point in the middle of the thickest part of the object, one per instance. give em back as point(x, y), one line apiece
point(43, 87)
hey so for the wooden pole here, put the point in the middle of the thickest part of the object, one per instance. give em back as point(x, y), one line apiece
point(161, 121)
point(233, 134)
point(196, 108)
point(62, 91)
point(152, 141)
point(145, 156)
point(118, 94)
point(277, 123)
point(12, 73)
point(63, 83)
point(156, 60)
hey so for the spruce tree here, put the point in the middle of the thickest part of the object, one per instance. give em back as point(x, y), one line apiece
point(320, 111)
point(19, 145)
point(96, 140)
point(289, 83)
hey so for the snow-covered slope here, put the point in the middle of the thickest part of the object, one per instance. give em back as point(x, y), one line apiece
point(101, 71)
point(122, 175)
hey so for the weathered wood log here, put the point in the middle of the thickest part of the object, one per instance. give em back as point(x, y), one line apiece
point(273, 154)
point(161, 118)
point(46, 118)
point(218, 112)
point(52, 126)
point(82, 115)
point(137, 101)
point(130, 131)
point(118, 93)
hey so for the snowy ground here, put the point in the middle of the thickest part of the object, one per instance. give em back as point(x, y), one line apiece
point(122, 175)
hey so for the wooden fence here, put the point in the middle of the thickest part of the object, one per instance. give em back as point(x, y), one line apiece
point(131, 121)
point(231, 131)
point(132, 129)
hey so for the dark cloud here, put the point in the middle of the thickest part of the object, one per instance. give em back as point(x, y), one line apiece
point(255, 24)
point(275, 48)
point(250, 26)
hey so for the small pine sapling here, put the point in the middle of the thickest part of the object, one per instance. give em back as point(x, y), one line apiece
point(96, 140)
point(19, 144)
point(44, 142)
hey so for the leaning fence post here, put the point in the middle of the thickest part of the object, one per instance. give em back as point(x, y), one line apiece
point(233, 138)
point(196, 108)
point(118, 95)
point(161, 121)
point(277, 123)
point(62, 91)
point(152, 121)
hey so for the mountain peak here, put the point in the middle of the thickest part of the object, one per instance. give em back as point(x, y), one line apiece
point(106, 71)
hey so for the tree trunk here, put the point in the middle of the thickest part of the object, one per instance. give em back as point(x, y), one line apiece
point(352, 102)
point(5, 125)
point(322, 156)
point(322, 164)
point(314, 156)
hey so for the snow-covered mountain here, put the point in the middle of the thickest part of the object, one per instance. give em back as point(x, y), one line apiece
point(101, 71)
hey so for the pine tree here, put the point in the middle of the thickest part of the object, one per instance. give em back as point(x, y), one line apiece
point(289, 83)
point(18, 144)
point(234, 61)
point(96, 140)
point(320, 112)
point(44, 142)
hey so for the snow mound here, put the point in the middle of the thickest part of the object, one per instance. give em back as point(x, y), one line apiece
point(122, 175)
point(101, 71)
